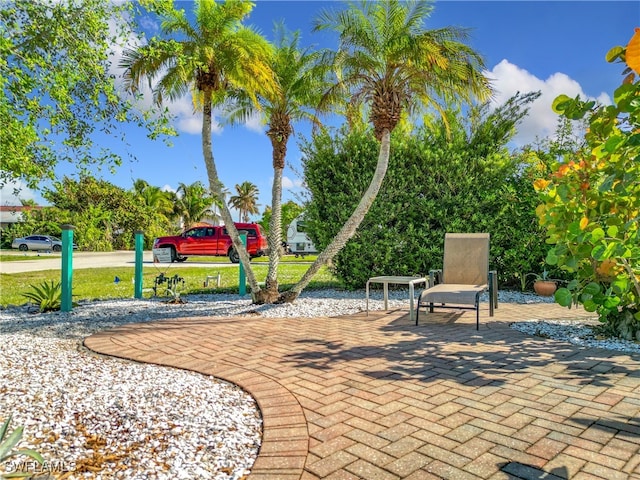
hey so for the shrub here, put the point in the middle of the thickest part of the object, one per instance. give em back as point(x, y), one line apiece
point(591, 208)
point(47, 296)
point(458, 180)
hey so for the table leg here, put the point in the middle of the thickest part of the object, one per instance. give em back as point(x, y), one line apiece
point(367, 296)
point(386, 295)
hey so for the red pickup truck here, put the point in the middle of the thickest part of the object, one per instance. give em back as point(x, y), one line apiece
point(213, 240)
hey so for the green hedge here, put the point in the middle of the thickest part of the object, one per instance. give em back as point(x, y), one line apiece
point(436, 183)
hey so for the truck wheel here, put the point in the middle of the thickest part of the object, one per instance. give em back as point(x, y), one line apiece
point(233, 256)
point(174, 255)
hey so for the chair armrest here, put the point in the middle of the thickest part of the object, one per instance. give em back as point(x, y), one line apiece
point(435, 277)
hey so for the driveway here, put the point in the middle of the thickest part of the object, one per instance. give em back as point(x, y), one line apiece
point(377, 397)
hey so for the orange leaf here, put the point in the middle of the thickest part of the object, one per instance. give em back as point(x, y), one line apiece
point(583, 223)
point(633, 51)
point(541, 184)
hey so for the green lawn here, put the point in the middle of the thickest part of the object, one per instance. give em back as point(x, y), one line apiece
point(283, 259)
point(90, 284)
point(7, 256)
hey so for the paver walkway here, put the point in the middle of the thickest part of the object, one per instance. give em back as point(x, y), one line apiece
point(379, 398)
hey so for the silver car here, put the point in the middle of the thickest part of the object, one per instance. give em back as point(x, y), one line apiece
point(38, 242)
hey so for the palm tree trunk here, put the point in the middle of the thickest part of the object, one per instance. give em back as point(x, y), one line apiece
point(351, 225)
point(270, 292)
point(216, 187)
point(279, 138)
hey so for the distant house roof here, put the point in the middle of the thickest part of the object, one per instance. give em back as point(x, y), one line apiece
point(13, 213)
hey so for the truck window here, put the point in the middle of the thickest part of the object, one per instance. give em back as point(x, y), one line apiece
point(196, 233)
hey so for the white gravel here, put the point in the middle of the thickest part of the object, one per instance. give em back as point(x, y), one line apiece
point(102, 418)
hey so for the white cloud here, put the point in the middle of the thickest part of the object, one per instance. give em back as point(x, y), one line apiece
point(12, 192)
point(508, 79)
point(255, 123)
point(168, 188)
point(291, 184)
point(188, 121)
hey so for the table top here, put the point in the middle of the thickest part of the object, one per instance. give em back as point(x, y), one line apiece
point(397, 279)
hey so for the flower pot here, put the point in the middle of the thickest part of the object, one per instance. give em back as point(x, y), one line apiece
point(545, 288)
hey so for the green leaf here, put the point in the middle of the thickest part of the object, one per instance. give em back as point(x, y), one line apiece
point(31, 453)
point(611, 248)
point(563, 297)
point(614, 54)
point(551, 259)
point(592, 288)
point(597, 234)
point(606, 186)
point(612, 144)
point(612, 231)
point(560, 103)
point(590, 306)
point(620, 285)
point(612, 302)
point(4, 428)
point(571, 263)
point(598, 252)
point(623, 92)
point(10, 442)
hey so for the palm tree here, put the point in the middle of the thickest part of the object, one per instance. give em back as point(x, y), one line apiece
point(213, 59)
point(153, 197)
point(301, 81)
point(246, 201)
point(388, 61)
point(193, 203)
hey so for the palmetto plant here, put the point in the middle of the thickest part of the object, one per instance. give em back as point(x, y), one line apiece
point(8, 442)
point(389, 62)
point(155, 198)
point(47, 296)
point(193, 203)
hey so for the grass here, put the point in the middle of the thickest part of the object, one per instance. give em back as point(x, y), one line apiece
point(98, 283)
point(265, 260)
point(19, 256)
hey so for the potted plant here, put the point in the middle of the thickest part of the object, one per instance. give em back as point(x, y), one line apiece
point(543, 285)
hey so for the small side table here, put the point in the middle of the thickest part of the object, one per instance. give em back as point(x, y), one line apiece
point(387, 279)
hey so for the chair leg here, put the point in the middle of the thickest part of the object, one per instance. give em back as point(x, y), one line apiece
point(417, 312)
point(478, 316)
point(491, 303)
point(493, 288)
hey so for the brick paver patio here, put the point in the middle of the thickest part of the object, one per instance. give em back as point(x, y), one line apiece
point(376, 397)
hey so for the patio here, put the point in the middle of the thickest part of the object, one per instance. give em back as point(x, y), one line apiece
point(379, 398)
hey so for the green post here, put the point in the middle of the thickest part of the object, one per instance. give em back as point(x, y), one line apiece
point(137, 293)
point(67, 268)
point(242, 282)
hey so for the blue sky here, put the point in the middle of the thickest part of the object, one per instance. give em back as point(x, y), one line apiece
point(556, 47)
